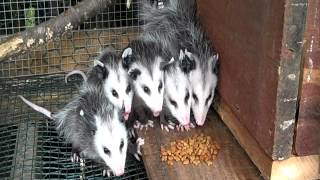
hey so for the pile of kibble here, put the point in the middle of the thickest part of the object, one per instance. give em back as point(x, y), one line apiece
point(192, 150)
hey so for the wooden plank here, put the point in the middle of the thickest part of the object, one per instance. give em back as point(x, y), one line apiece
point(246, 140)
point(260, 43)
point(294, 168)
point(297, 168)
point(307, 139)
point(247, 35)
point(289, 77)
point(231, 162)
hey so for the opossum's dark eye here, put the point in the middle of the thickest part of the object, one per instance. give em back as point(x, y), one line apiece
point(146, 89)
point(160, 86)
point(106, 151)
point(128, 89)
point(174, 103)
point(195, 98)
point(114, 93)
point(186, 98)
point(121, 144)
point(209, 97)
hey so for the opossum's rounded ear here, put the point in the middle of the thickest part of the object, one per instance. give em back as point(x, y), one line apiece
point(127, 58)
point(214, 60)
point(101, 69)
point(134, 73)
point(165, 64)
point(186, 62)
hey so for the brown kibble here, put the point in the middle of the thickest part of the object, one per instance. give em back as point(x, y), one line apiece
point(192, 150)
point(185, 162)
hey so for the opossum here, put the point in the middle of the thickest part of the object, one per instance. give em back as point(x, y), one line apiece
point(109, 73)
point(176, 27)
point(177, 96)
point(144, 62)
point(93, 126)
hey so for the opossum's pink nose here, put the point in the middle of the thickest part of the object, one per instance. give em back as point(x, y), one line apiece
point(156, 113)
point(119, 172)
point(186, 121)
point(200, 123)
point(126, 115)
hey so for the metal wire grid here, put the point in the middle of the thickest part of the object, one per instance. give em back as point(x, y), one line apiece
point(29, 145)
point(75, 50)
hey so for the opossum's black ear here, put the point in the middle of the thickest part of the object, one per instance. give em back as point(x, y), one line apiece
point(101, 70)
point(186, 63)
point(215, 63)
point(127, 58)
point(134, 73)
point(165, 64)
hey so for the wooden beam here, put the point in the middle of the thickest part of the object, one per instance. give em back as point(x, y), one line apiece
point(305, 167)
point(289, 77)
point(294, 168)
point(245, 139)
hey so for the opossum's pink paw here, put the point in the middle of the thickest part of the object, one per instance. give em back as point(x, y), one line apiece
point(165, 127)
point(106, 172)
point(137, 125)
point(132, 133)
point(192, 125)
point(150, 123)
point(75, 158)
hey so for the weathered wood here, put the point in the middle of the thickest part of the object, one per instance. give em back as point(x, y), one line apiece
point(51, 29)
point(297, 168)
point(260, 44)
point(307, 140)
point(294, 168)
point(246, 140)
point(231, 162)
point(289, 77)
point(247, 35)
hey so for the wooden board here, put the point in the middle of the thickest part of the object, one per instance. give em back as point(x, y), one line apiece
point(231, 162)
point(307, 139)
point(260, 45)
point(294, 168)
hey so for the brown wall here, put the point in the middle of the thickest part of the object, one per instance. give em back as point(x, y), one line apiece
point(247, 35)
point(308, 129)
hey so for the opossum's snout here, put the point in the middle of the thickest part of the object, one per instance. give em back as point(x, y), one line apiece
point(185, 121)
point(200, 119)
point(157, 113)
point(126, 115)
point(119, 171)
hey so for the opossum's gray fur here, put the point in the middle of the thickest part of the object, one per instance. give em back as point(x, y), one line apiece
point(97, 74)
point(145, 52)
point(79, 130)
point(176, 27)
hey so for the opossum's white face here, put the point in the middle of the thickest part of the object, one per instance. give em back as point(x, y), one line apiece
point(149, 87)
point(202, 91)
point(178, 96)
point(111, 143)
point(118, 89)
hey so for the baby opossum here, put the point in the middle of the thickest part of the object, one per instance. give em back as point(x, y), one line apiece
point(176, 27)
point(177, 96)
point(144, 62)
point(109, 73)
point(93, 126)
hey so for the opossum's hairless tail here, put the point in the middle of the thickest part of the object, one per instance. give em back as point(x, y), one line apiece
point(36, 107)
point(75, 72)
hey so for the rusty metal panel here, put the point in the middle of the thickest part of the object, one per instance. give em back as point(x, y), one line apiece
point(307, 140)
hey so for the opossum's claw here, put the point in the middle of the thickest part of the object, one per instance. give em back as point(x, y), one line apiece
point(108, 172)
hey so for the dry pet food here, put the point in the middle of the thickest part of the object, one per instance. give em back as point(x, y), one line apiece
point(192, 150)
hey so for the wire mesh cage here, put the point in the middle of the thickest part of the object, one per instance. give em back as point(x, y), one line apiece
point(29, 146)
